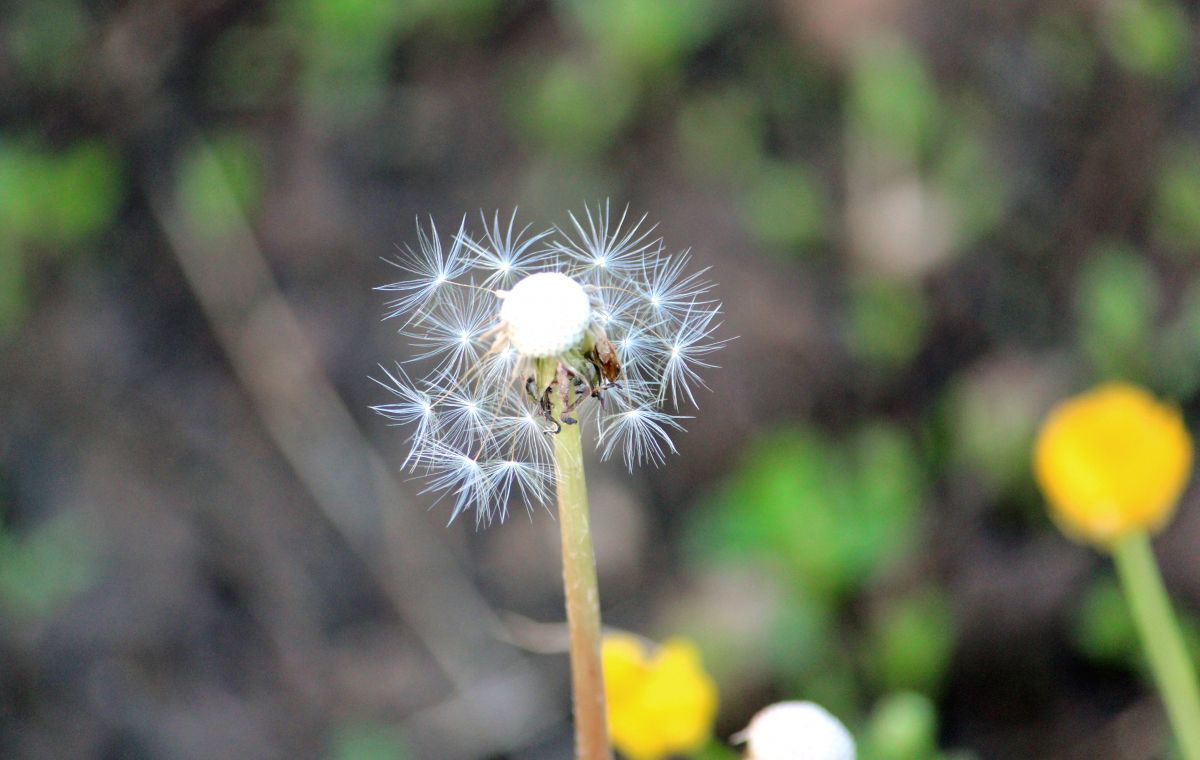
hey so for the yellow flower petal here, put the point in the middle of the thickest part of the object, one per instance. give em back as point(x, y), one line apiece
point(1112, 461)
point(657, 705)
point(625, 666)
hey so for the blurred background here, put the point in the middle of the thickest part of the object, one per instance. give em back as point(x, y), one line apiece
point(928, 219)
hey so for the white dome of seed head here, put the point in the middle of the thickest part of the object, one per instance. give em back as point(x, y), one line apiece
point(547, 313)
point(796, 731)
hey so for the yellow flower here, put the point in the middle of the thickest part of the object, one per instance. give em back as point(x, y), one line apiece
point(1112, 461)
point(659, 703)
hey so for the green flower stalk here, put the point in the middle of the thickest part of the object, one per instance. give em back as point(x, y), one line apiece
point(1159, 632)
point(580, 586)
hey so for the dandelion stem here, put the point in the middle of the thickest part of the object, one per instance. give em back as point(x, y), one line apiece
point(579, 585)
point(1159, 631)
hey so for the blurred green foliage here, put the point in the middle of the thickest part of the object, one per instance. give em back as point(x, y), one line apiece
point(892, 99)
point(912, 642)
point(1064, 47)
point(970, 178)
point(645, 38)
point(220, 183)
point(992, 418)
point(716, 750)
point(249, 68)
point(347, 46)
point(1178, 350)
point(903, 726)
point(1116, 307)
point(1177, 199)
point(1149, 37)
point(42, 569)
point(826, 517)
point(457, 20)
point(828, 513)
point(802, 639)
point(367, 740)
point(887, 320)
point(783, 205)
point(722, 132)
point(58, 198)
point(576, 105)
point(46, 41)
point(1103, 629)
point(14, 296)
point(53, 201)
point(570, 107)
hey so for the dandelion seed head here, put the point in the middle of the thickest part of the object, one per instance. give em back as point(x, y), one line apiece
point(627, 326)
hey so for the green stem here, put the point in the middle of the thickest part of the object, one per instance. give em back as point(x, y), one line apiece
point(579, 585)
point(1169, 662)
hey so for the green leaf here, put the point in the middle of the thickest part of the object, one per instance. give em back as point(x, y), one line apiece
point(219, 183)
point(722, 132)
point(1178, 350)
point(43, 569)
point(1149, 37)
point(570, 107)
point(349, 25)
point(1104, 630)
point(368, 740)
point(887, 321)
point(646, 37)
point(972, 181)
point(903, 726)
point(991, 417)
point(784, 205)
point(14, 294)
point(46, 40)
point(912, 643)
point(892, 99)
point(88, 186)
point(1065, 46)
point(346, 47)
point(59, 198)
point(1177, 199)
point(803, 638)
point(715, 750)
point(1118, 297)
point(828, 513)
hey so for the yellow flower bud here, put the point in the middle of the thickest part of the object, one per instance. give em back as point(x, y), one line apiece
point(659, 704)
point(1111, 462)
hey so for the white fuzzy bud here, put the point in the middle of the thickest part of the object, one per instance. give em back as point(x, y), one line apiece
point(796, 731)
point(546, 314)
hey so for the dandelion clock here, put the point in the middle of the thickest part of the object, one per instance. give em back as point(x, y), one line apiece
point(524, 342)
